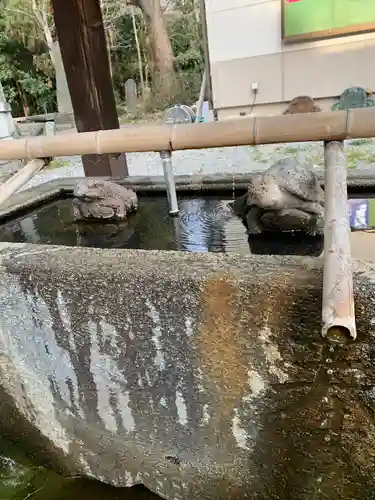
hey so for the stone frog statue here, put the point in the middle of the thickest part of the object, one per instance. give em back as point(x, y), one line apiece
point(102, 200)
point(286, 197)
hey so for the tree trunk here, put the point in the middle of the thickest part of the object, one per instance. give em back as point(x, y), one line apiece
point(40, 14)
point(139, 55)
point(108, 39)
point(23, 99)
point(162, 55)
point(40, 11)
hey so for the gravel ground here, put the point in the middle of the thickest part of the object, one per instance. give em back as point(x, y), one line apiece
point(219, 160)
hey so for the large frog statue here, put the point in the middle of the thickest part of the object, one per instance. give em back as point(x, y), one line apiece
point(100, 199)
point(286, 197)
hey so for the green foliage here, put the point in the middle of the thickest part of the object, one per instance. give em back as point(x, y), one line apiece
point(27, 73)
point(124, 54)
point(187, 46)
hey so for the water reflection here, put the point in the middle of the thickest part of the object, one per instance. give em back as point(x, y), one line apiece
point(205, 224)
point(287, 243)
point(199, 228)
point(21, 479)
point(194, 227)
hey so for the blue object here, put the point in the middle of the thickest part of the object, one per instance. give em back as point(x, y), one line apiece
point(358, 213)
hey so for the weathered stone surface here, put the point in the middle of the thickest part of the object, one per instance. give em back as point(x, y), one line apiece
point(131, 94)
point(199, 375)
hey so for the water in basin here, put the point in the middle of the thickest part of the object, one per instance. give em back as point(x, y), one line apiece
point(21, 479)
point(205, 224)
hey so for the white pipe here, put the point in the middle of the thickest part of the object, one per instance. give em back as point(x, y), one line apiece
point(166, 158)
point(201, 97)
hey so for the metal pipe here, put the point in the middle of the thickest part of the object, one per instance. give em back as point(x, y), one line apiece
point(166, 158)
point(338, 300)
point(20, 178)
point(177, 232)
point(201, 98)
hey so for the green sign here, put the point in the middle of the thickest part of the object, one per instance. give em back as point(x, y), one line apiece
point(312, 19)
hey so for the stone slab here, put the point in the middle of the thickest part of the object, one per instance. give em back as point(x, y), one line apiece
point(198, 375)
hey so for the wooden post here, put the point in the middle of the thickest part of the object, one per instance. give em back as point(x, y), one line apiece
point(80, 31)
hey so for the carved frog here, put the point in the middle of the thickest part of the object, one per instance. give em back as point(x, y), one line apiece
point(101, 199)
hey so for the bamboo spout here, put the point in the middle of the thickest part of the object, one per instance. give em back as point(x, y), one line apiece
point(20, 178)
point(338, 299)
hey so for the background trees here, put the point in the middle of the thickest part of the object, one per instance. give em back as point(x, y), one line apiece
point(155, 42)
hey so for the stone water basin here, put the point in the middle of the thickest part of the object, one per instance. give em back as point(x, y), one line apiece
point(197, 374)
point(205, 224)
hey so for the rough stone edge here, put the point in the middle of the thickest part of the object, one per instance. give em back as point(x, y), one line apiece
point(133, 261)
point(61, 255)
point(184, 264)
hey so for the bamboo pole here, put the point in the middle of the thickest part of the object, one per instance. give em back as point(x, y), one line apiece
point(327, 126)
point(338, 299)
point(19, 179)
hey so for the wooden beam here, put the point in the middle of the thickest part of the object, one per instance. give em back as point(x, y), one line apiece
point(80, 32)
point(325, 126)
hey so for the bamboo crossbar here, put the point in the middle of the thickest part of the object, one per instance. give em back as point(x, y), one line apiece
point(326, 126)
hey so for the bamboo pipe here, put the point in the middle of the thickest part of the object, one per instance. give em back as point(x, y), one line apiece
point(328, 126)
point(20, 178)
point(338, 298)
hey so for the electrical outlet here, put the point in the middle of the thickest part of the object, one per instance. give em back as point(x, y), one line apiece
point(254, 87)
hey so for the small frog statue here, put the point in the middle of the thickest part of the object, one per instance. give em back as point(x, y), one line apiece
point(96, 199)
point(302, 104)
point(286, 197)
